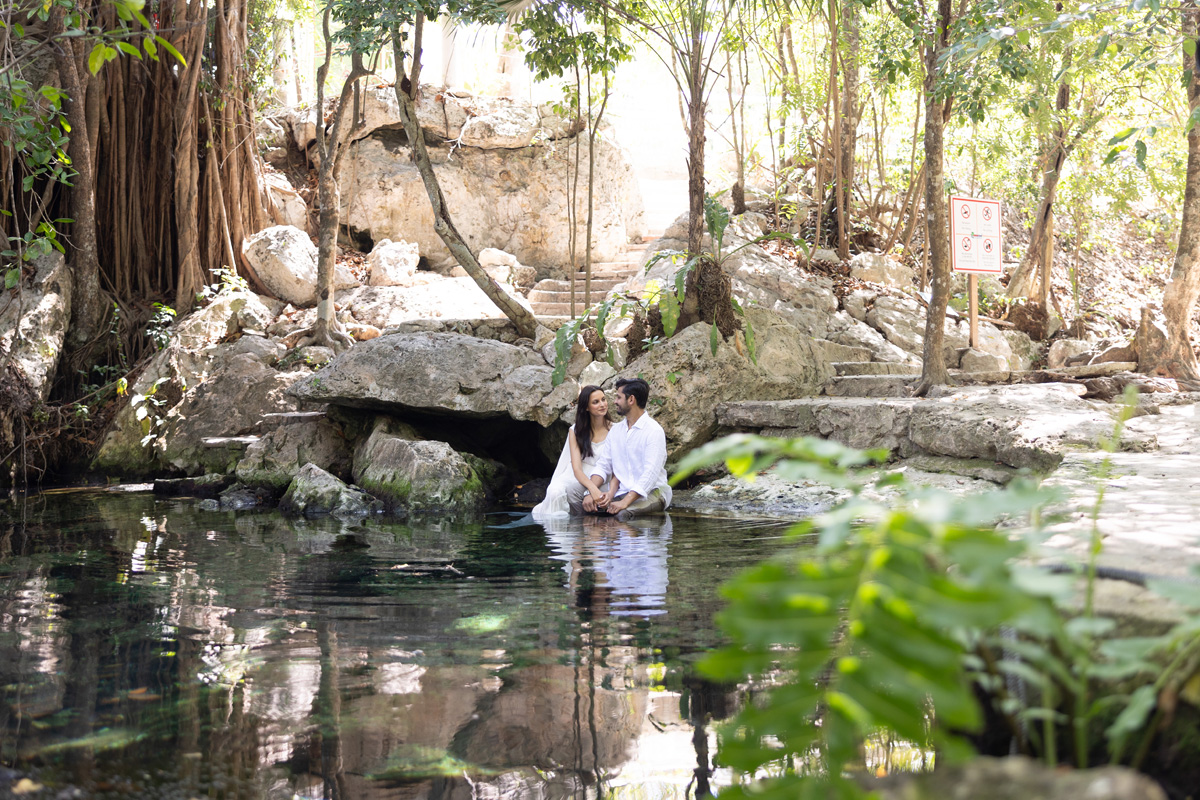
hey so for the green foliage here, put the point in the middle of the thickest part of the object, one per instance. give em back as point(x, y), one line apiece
point(149, 408)
point(226, 280)
point(158, 328)
point(886, 616)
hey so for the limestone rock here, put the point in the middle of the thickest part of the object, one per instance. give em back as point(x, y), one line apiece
point(314, 492)
point(979, 361)
point(229, 403)
point(435, 373)
point(845, 330)
point(514, 200)
point(596, 373)
point(858, 302)
point(503, 128)
point(804, 299)
point(392, 263)
point(275, 459)
point(411, 474)
point(901, 320)
point(1062, 349)
point(1024, 351)
point(427, 296)
point(826, 256)
point(289, 205)
point(789, 365)
point(878, 268)
point(34, 323)
point(285, 260)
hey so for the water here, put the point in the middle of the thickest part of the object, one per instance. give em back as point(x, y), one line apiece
point(149, 649)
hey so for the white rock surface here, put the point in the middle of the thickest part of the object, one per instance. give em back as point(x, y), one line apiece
point(393, 263)
point(285, 260)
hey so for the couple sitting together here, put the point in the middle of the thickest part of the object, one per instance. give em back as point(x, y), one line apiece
point(610, 468)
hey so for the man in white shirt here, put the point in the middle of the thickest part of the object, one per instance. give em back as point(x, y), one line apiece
point(636, 458)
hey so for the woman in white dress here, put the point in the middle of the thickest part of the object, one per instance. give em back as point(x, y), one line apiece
point(585, 442)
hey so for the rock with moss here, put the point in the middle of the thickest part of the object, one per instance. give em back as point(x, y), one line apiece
point(315, 492)
point(411, 474)
point(1017, 778)
point(277, 458)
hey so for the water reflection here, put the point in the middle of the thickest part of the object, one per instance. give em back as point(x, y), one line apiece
point(147, 647)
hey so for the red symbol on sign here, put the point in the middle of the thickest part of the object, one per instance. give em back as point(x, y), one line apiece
point(966, 211)
point(966, 244)
point(987, 213)
point(987, 246)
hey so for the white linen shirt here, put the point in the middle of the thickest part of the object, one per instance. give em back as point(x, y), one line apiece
point(637, 457)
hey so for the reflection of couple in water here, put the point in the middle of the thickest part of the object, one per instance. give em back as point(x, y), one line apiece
point(610, 468)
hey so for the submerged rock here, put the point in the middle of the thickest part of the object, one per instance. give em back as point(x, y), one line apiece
point(314, 492)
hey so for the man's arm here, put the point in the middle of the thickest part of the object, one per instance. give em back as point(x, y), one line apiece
point(654, 461)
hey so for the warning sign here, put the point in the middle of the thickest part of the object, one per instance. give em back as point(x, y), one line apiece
point(975, 235)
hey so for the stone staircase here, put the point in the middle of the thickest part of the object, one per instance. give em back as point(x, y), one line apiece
point(552, 297)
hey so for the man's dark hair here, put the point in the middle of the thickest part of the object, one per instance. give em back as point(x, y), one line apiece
point(636, 388)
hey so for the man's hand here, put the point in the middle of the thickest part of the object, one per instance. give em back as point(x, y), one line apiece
point(589, 503)
point(617, 506)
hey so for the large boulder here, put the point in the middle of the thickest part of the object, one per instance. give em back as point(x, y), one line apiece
point(412, 474)
point(285, 260)
point(230, 403)
point(512, 199)
point(443, 374)
point(275, 459)
point(198, 347)
point(423, 296)
point(34, 322)
point(687, 381)
point(314, 492)
point(393, 263)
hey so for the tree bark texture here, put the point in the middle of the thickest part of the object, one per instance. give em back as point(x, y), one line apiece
point(851, 37)
point(933, 369)
point(526, 324)
point(695, 162)
point(168, 174)
point(1174, 357)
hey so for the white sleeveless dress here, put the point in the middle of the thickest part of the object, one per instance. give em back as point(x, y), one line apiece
point(555, 504)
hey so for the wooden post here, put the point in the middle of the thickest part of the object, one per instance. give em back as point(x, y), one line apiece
point(973, 292)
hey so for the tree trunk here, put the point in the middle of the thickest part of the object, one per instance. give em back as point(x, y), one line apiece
point(851, 37)
point(88, 309)
point(933, 369)
point(526, 324)
point(695, 163)
point(1174, 357)
point(187, 165)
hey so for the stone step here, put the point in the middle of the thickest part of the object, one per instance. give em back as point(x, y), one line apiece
point(557, 285)
point(871, 386)
point(558, 309)
point(234, 443)
point(278, 419)
point(846, 368)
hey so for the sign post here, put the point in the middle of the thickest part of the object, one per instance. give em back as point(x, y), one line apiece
point(975, 247)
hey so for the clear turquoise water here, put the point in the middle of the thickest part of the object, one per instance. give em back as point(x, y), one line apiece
point(149, 649)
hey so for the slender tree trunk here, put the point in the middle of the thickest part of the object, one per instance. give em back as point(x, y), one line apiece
point(851, 37)
point(525, 323)
point(933, 369)
point(1172, 354)
point(87, 310)
point(695, 164)
point(187, 166)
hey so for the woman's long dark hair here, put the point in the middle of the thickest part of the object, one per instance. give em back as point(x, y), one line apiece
point(583, 421)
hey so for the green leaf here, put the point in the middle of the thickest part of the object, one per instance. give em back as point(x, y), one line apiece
point(12, 277)
point(714, 338)
point(170, 48)
point(1189, 47)
point(1133, 717)
point(750, 345)
point(150, 47)
point(668, 307)
point(1122, 136)
point(1101, 46)
point(96, 58)
point(126, 47)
